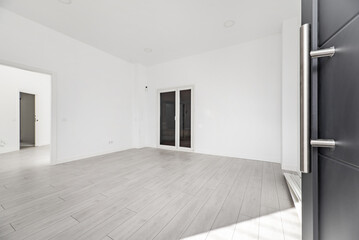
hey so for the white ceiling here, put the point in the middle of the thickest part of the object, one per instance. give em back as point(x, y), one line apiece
point(171, 28)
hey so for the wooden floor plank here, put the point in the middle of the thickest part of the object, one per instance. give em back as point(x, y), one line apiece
point(34, 225)
point(82, 228)
point(101, 230)
point(202, 223)
point(269, 189)
point(144, 194)
point(224, 225)
point(180, 222)
point(252, 200)
point(247, 228)
point(6, 229)
point(127, 229)
point(154, 225)
point(51, 231)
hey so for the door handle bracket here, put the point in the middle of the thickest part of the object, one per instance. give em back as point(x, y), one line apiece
point(328, 52)
point(323, 143)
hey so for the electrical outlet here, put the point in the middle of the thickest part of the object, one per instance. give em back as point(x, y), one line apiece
point(2, 143)
point(110, 142)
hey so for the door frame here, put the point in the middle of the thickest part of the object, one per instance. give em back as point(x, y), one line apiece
point(177, 122)
point(53, 74)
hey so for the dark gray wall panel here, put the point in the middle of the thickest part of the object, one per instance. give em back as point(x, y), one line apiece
point(334, 14)
point(338, 201)
point(338, 95)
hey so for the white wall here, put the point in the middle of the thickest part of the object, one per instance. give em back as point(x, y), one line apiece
point(141, 110)
point(237, 99)
point(101, 99)
point(93, 89)
point(13, 81)
point(290, 95)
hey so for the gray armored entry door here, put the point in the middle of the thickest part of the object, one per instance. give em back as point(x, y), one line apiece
point(330, 179)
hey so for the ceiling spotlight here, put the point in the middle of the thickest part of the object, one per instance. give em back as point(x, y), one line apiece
point(147, 50)
point(65, 1)
point(229, 23)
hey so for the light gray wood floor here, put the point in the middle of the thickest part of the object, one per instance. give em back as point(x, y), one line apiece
point(25, 158)
point(147, 194)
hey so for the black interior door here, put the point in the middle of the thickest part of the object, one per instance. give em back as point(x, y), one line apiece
point(331, 190)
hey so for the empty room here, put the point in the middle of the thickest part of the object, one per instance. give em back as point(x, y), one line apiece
point(179, 119)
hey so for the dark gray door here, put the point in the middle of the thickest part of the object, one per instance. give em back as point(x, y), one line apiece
point(27, 120)
point(331, 190)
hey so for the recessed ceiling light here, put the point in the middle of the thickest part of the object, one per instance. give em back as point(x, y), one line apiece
point(229, 23)
point(147, 50)
point(65, 1)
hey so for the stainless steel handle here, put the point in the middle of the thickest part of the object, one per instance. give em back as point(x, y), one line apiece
point(323, 143)
point(328, 52)
point(305, 65)
point(305, 92)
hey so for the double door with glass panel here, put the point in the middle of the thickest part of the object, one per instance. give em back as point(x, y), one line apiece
point(176, 118)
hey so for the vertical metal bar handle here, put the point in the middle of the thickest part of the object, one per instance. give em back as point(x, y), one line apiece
point(305, 76)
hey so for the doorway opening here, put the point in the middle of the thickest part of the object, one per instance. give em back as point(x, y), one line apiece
point(176, 118)
point(27, 120)
point(26, 125)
